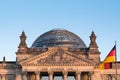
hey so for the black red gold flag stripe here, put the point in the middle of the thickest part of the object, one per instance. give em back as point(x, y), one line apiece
point(111, 57)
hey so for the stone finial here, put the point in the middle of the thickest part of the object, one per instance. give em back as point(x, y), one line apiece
point(93, 40)
point(22, 41)
point(4, 59)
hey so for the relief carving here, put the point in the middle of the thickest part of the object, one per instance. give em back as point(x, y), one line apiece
point(58, 57)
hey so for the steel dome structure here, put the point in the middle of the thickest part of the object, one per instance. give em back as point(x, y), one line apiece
point(58, 37)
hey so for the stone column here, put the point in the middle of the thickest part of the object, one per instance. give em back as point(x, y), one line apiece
point(50, 75)
point(65, 73)
point(113, 77)
point(91, 75)
point(18, 74)
point(37, 74)
point(3, 76)
point(0, 77)
point(78, 75)
point(18, 77)
point(24, 75)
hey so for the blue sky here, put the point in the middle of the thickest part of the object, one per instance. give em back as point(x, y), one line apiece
point(79, 16)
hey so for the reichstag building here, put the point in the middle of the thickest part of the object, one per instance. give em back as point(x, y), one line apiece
point(57, 54)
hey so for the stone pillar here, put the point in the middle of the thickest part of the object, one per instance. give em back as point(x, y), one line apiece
point(91, 75)
point(65, 73)
point(50, 75)
point(113, 77)
point(78, 75)
point(0, 77)
point(37, 74)
point(18, 74)
point(3, 76)
point(24, 76)
point(18, 77)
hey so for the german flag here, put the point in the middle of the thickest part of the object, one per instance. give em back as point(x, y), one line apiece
point(111, 57)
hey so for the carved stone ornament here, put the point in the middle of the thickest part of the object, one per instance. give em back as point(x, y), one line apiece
point(58, 57)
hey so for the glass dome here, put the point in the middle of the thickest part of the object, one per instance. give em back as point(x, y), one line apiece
point(58, 37)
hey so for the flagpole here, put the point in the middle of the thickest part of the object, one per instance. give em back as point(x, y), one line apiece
point(115, 61)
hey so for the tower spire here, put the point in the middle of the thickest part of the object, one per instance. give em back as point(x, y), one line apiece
point(94, 53)
point(22, 48)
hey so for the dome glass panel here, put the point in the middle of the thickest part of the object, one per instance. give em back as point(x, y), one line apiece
point(58, 37)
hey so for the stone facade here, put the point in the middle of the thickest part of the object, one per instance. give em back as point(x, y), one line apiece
point(51, 63)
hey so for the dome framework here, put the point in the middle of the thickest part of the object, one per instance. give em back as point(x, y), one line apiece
point(58, 37)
